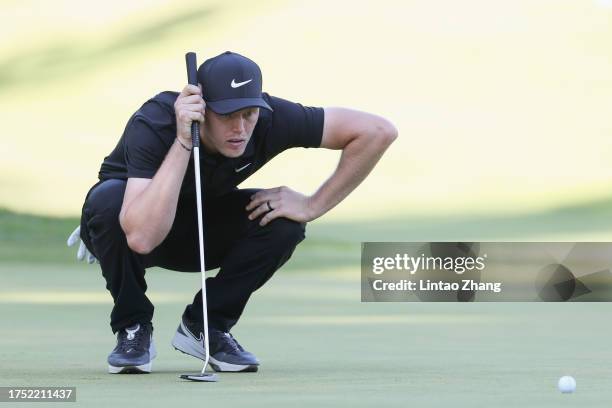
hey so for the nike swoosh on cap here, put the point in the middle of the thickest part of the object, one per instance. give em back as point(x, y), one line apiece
point(235, 84)
point(242, 168)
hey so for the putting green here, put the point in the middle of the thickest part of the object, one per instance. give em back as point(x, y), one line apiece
point(318, 344)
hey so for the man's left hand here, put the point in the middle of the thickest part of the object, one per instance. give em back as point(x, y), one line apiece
point(280, 202)
point(83, 253)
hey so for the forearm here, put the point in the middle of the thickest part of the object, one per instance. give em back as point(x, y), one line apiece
point(149, 217)
point(357, 160)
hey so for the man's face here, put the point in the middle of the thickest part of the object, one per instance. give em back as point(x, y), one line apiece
point(229, 134)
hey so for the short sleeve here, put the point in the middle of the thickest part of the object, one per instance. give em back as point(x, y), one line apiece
point(148, 138)
point(293, 125)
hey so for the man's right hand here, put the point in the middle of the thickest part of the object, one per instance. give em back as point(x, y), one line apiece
point(189, 107)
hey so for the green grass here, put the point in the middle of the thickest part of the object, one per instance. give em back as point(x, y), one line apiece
point(320, 346)
point(35, 238)
point(43, 239)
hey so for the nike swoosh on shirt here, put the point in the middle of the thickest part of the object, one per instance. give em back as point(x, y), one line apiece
point(235, 84)
point(238, 170)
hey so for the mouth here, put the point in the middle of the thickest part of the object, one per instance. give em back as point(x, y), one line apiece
point(236, 143)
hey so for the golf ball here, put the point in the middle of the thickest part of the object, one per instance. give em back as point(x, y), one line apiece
point(567, 384)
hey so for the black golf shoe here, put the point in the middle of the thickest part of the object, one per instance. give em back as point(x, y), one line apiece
point(134, 351)
point(226, 354)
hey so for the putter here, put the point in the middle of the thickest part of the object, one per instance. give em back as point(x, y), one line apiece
point(190, 59)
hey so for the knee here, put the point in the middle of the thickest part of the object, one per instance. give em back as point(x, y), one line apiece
point(109, 216)
point(104, 205)
point(286, 232)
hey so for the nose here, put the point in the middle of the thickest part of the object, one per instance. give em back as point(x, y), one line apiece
point(239, 125)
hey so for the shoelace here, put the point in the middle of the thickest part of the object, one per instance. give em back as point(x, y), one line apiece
point(236, 341)
point(229, 341)
point(133, 338)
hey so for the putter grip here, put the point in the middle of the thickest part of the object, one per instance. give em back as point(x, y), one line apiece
point(192, 79)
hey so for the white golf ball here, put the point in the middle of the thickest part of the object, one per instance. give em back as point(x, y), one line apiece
point(567, 384)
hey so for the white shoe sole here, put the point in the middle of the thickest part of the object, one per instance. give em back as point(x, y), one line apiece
point(140, 369)
point(220, 366)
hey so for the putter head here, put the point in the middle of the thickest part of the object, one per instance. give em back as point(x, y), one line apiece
point(206, 377)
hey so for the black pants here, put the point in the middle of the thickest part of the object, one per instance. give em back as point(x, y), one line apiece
point(246, 253)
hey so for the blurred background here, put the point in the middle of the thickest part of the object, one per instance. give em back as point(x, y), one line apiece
point(502, 106)
point(503, 109)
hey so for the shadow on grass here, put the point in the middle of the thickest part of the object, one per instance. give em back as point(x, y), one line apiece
point(592, 217)
point(30, 238)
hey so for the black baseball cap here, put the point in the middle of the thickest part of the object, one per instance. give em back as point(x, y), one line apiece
point(231, 82)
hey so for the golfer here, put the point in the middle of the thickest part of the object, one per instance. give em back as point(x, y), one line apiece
point(142, 211)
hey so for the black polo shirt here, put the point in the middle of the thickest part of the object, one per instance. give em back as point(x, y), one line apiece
point(151, 131)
